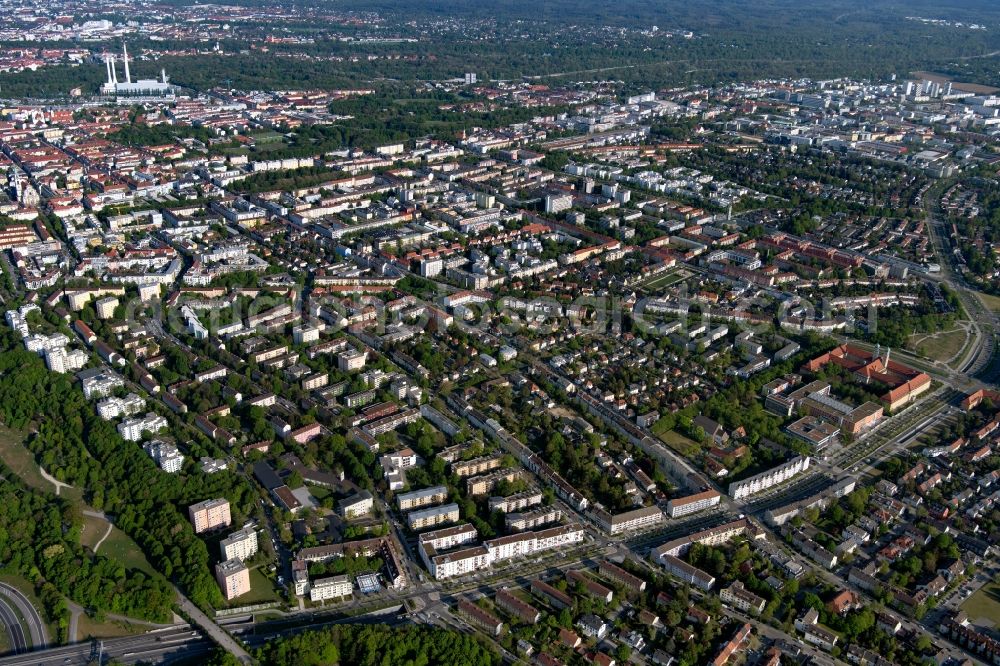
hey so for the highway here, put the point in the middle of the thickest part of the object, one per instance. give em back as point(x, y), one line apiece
point(14, 629)
point(37, 630)
point(162, 646)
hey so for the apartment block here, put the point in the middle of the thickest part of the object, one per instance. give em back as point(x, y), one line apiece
point(683, 506)
point(738, 596)
point(233, 578)
point(210, 514)
point(423, 518)
point(241, 545)
point(420, 498)
point(334, 587)
point(131, 429)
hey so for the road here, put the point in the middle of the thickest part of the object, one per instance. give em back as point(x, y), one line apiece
point(37, 630)
point(214, 631)
point(162, 646)
point(14, 629)
point(979, 362)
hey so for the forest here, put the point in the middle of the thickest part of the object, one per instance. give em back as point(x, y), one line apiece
point(563, 41)
point(374, 645)
point(40, 542)
point(76, 446)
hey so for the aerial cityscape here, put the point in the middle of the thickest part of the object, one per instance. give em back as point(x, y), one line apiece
point(423, 332)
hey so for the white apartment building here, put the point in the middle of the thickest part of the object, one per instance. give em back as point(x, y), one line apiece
point(494, 551)
point(111, 408)
point(132, 429)
point(628, 521)
point(447, 513)
point(57, 359)
point(334, 587)
point(772, 477)
point(459, 562)
point(357, 505)
point(351, 360)
point(304, 334)
point(167, 456)
point(683, 506)
point(241, 545)
point(100, 383)
point(106, 307)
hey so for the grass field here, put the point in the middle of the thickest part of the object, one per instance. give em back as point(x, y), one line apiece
point(939, 346)
point(984, 605)
point(990, 301)
point(261, 590)
point(679, 443)
point(93, 530)
point(88, 628)
point(20, 460)
point(120, 546)
point(671, 277)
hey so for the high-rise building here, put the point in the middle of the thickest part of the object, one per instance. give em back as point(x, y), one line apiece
point(210, 514)
point(241, 545)
point(233, 577)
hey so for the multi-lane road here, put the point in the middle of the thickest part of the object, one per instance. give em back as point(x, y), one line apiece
point(13, 607)
point(162, 646)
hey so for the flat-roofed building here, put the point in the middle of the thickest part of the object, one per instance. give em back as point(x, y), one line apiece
point(416, 499)
point(334, 587)
point(210, 514)
point(423, 518)
point(683, 506)
point(241, 545)
point(643, 518)
point(459, 562)
point(233, 578)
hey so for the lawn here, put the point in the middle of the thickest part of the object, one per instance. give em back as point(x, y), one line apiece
point(679, 443)
point(20, 460)
point(984, 605)
point(990, 301)
point(120, 546)
point(320, 492)
point(939, 346)
point(665, 280)
point(88, 628)
point(93, 529)
point(261, 590)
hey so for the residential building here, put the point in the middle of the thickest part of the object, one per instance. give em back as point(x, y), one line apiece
point(240, 545)
point(739, 597)
point(233, 577)
point(334, 587)
point(420, 498)
point(209, 515)
point(424, 518)
point(359, 504)
point(132, 429)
